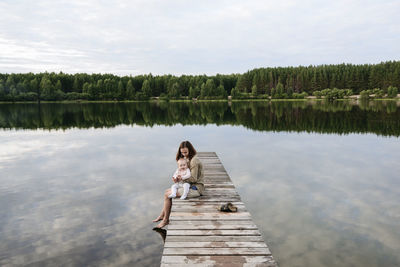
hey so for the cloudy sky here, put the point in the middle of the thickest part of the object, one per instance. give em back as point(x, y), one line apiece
point(193, 37)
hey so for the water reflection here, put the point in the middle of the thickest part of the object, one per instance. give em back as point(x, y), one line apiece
point(88, 204)
point(323, 200)
point(86, 197)
point(342, 117)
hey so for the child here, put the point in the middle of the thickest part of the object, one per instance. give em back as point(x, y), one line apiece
point(182, 172)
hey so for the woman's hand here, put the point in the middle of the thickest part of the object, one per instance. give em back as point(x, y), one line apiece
point(175, 180)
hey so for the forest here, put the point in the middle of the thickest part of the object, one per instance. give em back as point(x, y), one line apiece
point(279, 82)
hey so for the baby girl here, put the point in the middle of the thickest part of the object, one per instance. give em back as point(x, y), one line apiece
point(182, 172)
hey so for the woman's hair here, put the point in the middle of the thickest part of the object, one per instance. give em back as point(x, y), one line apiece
point(189, 146)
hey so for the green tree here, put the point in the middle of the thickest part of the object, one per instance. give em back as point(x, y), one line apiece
point(46, 88)
point(121, 90)
point(130, 90)
point(58, 86)
point(193, 92)
point(174, 91)
point(146, 89)
point(392, 91)
point(209, 88)
point(235, 93)
point(279, 91)
point(2, 92)
point(254, 90)
point(221, 93)
point(76, 86)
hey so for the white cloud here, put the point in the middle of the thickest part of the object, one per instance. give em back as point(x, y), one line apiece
point(135, 37)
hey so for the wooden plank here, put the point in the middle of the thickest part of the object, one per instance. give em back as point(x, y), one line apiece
point(226, 261)
point(201, 204)
point(216, 238)
point(221, 264)
point(216, 251)
point(203, 208)
point(211, 198)
point(214, 222)
point(212, 227)
point(215, 259)
point(171, 244)
point(211, 209)
point(214, 232)
point(214, 213)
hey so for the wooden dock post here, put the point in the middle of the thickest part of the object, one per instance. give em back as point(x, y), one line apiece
point(200, 235)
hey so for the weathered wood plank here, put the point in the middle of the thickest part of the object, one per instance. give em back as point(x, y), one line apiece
point(206, 218)
point(211, 198)
point(203, 210)
point(215, 259)
point(202, 204)
point(214, 232)
point(226, 261)
point(212, 227)
point(216, 238)
point(210, 216)
point(217, 251)
point(172, 244)
point(213, 222)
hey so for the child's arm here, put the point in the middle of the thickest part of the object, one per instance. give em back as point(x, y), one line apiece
point(175, 174)
point(187, 175)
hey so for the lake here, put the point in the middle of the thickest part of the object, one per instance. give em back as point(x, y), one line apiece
point(80, 183)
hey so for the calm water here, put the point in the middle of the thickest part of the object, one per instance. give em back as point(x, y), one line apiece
point(80, 183)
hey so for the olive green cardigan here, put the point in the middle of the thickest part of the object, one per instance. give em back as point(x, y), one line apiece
point(197, 174)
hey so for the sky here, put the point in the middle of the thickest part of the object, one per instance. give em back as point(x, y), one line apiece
point(133, 37)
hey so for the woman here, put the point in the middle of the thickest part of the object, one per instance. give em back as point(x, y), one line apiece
point(185, 150)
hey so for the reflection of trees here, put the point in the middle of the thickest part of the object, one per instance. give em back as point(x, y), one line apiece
point(341, 117)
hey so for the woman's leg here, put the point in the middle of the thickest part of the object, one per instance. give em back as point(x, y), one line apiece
point(162, 214)
point(167, 209)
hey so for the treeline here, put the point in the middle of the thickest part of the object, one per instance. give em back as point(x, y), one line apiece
point(379, 117)
point(280, 82)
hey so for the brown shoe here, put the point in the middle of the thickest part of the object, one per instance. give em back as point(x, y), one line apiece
point(231, 207)
point(228, 207)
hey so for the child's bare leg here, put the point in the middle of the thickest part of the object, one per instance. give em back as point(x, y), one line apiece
point(186, 187)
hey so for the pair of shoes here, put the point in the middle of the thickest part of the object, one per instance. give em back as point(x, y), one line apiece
point(172, 196)
point(228, 207)
point(183, 197)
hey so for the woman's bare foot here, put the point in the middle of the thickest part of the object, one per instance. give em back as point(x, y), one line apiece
point(162, 224)
point(159, 218)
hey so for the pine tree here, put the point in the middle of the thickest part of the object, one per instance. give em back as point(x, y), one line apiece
point(46, 88)
point(130, 90)
point(120, 90)
point(146, 89)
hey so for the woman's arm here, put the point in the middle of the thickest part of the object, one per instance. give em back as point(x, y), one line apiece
point(194, 169)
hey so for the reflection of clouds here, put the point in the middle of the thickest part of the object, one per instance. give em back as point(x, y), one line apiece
point(94, 207)
point(315, 196)
point(320, 200)
point(32, 145)
point(313, 203)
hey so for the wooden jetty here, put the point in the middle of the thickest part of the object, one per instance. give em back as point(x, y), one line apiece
point(201, 235)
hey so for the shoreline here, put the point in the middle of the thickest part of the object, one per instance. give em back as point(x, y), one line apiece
point(355, 98)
